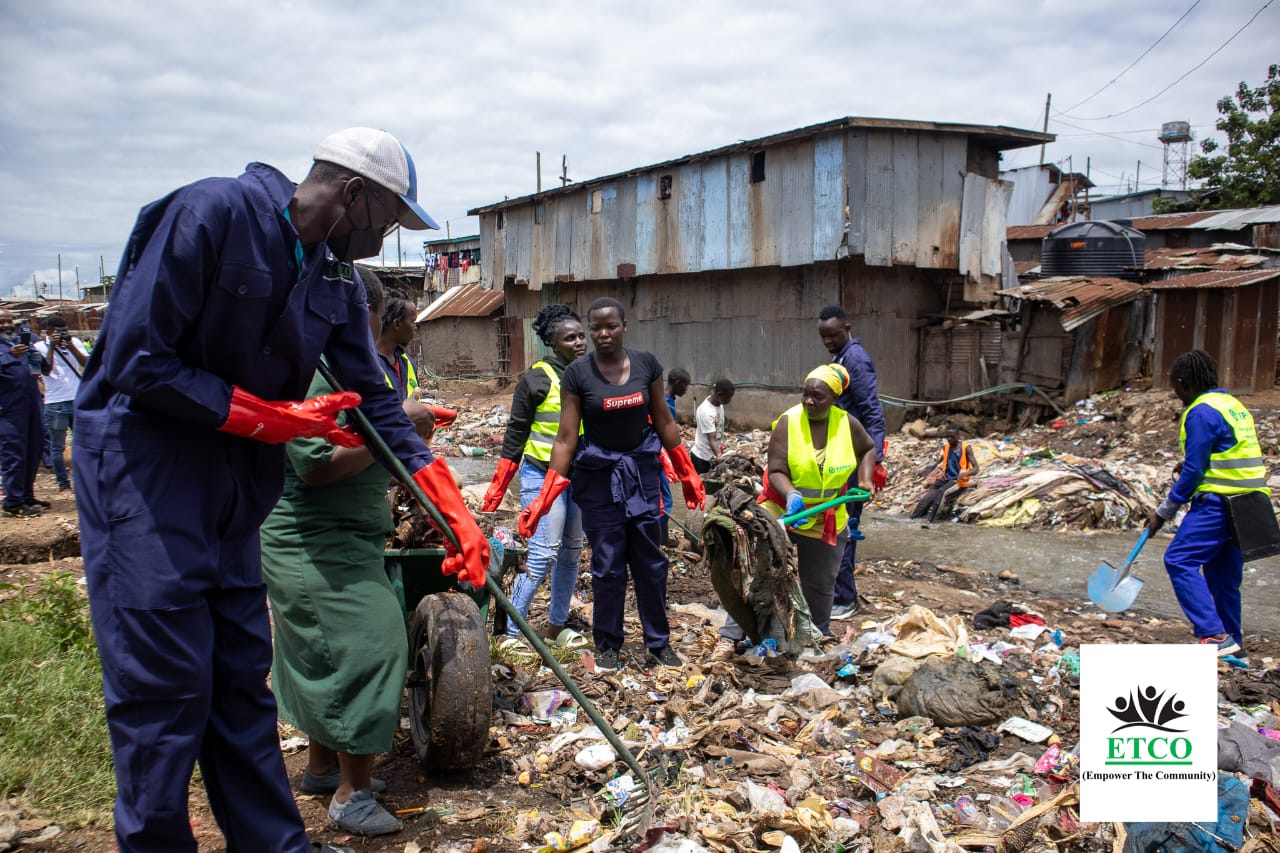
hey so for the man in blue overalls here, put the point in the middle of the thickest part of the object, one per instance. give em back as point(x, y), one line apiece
point(21, 427)
point(1222, 458)
point(229, 291)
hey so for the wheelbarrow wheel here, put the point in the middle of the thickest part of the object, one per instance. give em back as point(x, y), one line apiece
point(451, 697)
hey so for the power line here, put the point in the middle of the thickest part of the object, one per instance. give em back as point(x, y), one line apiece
point(1110, 135)
point(1131, 64)
point(1119, 132)
point(1216, 51)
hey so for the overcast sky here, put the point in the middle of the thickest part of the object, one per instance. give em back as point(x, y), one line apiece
point(105, 106)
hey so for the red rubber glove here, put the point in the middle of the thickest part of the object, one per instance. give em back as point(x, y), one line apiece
point(444, 417)
point(879, 477)
point(552, 486)
point(501, 479)
point(666, 466)
point(695, 494)
point(278, 422)
point(472, 562)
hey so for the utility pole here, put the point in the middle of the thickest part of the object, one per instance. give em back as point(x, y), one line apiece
point(77, 282)
point(1048, 99)
point(399, 257)
point(564, 171)
point(1137, 181)
point(539, 153)
point(59, 276)
point(1088, 167)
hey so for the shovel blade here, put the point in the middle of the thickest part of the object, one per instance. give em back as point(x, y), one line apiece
point(1102, 581)
point(1121, 598)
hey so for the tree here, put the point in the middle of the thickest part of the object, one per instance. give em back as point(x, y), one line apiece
point(1248, 173)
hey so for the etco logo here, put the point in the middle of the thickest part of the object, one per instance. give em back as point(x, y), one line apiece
point(1147, 719)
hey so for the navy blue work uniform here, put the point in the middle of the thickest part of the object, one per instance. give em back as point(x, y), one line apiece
point(862, 400)
point(616, 475)
point(21, 428)
point(214, 290)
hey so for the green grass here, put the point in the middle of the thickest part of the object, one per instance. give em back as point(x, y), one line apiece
point(54, 748)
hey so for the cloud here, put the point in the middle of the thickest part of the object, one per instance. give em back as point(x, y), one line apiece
point(109, 106)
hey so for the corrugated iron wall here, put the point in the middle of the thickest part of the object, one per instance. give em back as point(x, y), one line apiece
point(914, 199)
point(1237, 326)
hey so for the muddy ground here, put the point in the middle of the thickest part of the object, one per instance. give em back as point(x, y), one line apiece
point(490, 810)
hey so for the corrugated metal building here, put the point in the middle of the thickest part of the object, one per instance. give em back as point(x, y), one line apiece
point(450, 262)
point(1045, 195)
point(724, 258)
point(1230, 315)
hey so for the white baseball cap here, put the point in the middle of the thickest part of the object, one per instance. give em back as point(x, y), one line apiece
point(378, 156)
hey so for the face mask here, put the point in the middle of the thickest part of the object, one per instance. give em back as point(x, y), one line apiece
point(359, 243)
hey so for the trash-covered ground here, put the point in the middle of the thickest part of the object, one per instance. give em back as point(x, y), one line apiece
point(944, 717)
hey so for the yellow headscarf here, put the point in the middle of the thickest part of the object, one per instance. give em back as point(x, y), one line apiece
point(833, 375)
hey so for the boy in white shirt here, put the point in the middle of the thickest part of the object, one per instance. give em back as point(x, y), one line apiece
point(708, 442)
point(64, 356)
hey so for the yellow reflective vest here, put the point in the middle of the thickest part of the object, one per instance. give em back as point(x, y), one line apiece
point(818, 483)
point(546, 418)
point(1239, 468)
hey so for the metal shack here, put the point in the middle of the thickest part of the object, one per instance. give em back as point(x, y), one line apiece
point(459, 334)
point(725, 258)
point(1230, 314)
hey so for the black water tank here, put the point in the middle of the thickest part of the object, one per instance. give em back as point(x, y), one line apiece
point(1111, 249)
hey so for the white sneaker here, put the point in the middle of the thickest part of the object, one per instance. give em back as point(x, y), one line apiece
point(844, 611)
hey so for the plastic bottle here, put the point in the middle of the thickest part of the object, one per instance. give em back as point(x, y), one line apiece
point(468, 450)
point(967, 813)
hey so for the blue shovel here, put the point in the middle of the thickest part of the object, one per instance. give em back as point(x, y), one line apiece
point(1114, 590)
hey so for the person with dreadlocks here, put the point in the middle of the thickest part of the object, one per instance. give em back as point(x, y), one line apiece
point(1222, 458)
point(398, 328)
point(531, 431)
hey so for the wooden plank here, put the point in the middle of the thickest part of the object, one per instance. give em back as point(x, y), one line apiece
point(520, 242)
point(855, 171)
point(741, 252)
point(954, 153)
point(828, 195)
point(766, 204)
point(793, 219)
point(880, 201)
point(715, 215)
point(906, 193)
point(491, 269)
point(647, 223)
point(601, 263)
point(684, 241)
point(929, 202)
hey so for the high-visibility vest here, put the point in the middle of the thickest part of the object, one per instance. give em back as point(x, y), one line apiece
point(818, 484)
point(546, 418)
point(1239, 468)
point(962, 476)
point(411, 376)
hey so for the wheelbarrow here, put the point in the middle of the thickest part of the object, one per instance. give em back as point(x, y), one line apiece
point(445, 627)
point(450, 691)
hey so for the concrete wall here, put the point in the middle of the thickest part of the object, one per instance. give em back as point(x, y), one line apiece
point(460, 347)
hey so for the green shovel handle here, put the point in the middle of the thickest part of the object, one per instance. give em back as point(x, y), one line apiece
point(854, 494)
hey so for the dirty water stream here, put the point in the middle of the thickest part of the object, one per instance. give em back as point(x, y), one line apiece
point(1049, 563)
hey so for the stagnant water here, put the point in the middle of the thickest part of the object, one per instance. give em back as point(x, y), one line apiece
point(1057, 564)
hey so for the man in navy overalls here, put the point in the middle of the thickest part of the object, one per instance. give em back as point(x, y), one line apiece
point(229, 291)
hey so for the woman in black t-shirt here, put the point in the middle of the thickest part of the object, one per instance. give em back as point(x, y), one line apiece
point(616, 395)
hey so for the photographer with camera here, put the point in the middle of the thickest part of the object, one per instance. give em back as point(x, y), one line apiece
point(21, 434)
point(64, 359)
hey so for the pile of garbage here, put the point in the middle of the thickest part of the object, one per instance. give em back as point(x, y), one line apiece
point(914, 732)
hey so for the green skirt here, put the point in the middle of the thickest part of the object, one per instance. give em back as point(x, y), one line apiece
point(340, 648)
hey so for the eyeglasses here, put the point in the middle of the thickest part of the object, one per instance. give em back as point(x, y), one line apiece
point(395, 221)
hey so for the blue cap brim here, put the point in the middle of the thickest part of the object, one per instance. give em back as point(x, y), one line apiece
point(410, 200)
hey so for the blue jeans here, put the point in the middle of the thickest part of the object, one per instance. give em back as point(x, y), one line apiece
point(1205, 568)
point(57, 420)
point(554, 549)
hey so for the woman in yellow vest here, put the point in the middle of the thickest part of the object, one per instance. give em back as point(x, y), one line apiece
point(812, 451)
point(531, 430)
point(1221, 458)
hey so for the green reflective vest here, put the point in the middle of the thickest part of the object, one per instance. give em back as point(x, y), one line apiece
point(818, 483)
point(546, 419)
point(1239, 468)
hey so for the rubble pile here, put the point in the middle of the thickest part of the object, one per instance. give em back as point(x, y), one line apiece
point(915, 731)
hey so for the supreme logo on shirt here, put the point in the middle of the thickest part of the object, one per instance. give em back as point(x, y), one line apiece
point(628, 402)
